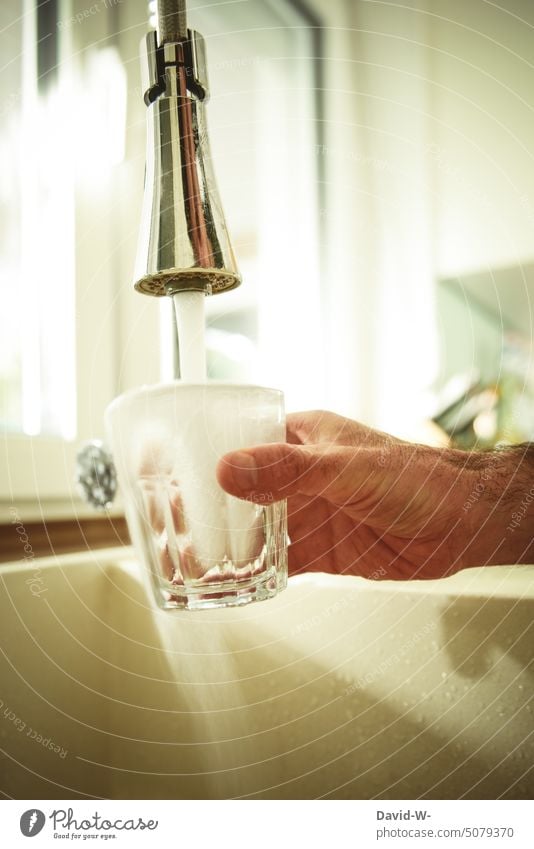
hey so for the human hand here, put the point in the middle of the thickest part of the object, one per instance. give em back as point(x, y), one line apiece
point(363, 503)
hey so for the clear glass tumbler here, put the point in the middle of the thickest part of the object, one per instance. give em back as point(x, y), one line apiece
point(202, 547)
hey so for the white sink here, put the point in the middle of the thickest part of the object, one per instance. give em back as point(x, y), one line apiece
point(338, 688)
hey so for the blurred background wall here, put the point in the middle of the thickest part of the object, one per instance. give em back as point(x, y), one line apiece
point(375, 161)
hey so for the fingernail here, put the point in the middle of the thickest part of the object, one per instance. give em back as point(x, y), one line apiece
point(244, 471)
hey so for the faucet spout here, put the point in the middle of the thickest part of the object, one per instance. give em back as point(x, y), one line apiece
point(184, 243)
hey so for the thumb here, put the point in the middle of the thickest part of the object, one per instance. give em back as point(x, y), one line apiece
point(278, 470)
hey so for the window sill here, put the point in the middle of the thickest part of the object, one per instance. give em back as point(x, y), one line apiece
point(21, 540)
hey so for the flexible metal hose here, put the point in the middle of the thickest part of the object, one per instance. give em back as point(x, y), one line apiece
point(172, 22)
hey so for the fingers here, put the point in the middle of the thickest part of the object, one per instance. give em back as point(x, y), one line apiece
point(163, 505)
point(313, 426)
point(320, 426)
point(277, 471)
point(299, 562)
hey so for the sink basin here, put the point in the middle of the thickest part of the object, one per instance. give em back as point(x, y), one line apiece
point(338, 688)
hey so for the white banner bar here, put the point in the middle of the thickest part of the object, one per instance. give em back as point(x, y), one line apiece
point(268, 824)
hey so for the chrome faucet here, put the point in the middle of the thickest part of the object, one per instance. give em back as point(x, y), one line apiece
point(183, 242)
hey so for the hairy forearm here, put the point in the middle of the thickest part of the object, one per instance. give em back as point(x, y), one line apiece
point(500, 507)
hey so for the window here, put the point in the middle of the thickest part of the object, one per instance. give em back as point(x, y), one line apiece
point(73, 332)
point(263, 117)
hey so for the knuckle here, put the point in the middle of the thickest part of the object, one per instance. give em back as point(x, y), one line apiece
point(284, 467)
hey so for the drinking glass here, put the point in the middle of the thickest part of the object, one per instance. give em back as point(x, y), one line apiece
point(200, 546)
